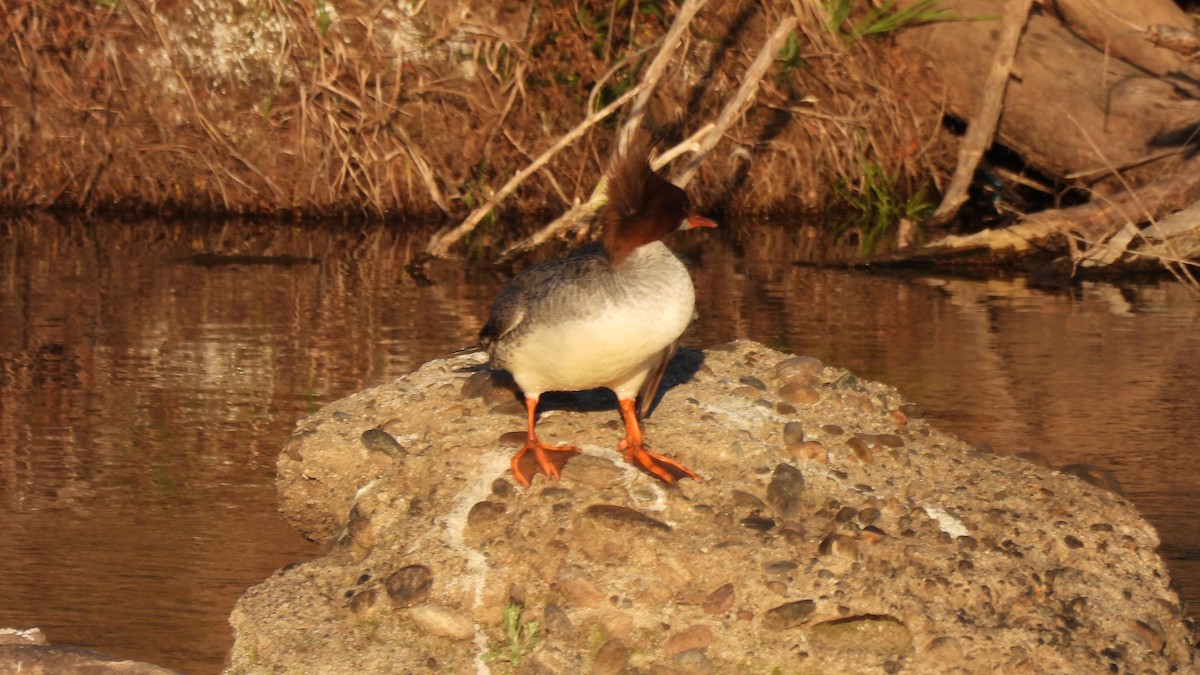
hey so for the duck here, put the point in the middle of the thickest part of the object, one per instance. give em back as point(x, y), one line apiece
point(609, 315)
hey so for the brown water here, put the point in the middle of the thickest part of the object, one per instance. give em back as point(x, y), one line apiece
point(145, 391)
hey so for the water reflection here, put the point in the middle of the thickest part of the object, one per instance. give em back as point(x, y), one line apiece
point(150, 372)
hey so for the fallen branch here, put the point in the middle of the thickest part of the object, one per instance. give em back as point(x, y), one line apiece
point(440, 245)
point(656, 69)
point(745, 94)
point(1110, 222)
point(578, 214)
point(700, 144)
point(983, 125)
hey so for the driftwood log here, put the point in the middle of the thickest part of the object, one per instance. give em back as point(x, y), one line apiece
point(1096, 102)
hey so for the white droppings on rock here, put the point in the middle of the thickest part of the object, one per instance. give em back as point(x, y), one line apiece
point(948, 523)
point(362, 491)
point(453, 525)
point(443, 622)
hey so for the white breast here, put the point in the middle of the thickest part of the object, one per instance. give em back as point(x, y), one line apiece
point(619, 339)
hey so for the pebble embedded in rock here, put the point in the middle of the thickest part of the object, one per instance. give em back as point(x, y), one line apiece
point(517, 594)
point(838, 543)
point(516, 408)
point(492, 386)
point(861, 450)
point(743, 498)
point(483, 513)
point(378, 440)
point(443, 621)
point(579, 590)
point(477, 384)
point(292, 448)
point(758, 523)
point(793, 433)
point(799, 394)
point(513, 438)
point(779, 566)
point(804, 369)
point(611, 659)
point(848, 381)
point(783, 492)
point(810, 450)
point(557, 621)
point(720, 600)
point(872, 636)
point(360, 529)
point(409, 585)
point(502, 488)
point(868, 515)
point(752, 381)
point(1150, 635)
point(697, 636)
point(693, 662)
point(1101, 478)
point(593, 471)
point(890, 440)
point(944, 650)
point(364, 601)
point(1035, 458)
point(623, 515)
point(788, 615)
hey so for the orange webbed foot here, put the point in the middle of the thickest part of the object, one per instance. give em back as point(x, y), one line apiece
point(535, 457)
point(660, 466)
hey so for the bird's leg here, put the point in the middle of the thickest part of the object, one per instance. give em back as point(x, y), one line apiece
point(535, 457)
point(636, 453)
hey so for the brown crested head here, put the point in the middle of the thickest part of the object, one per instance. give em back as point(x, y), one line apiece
point(642, 206)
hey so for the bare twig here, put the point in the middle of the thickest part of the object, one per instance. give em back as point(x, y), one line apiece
point(581, 212)
point(1175, 38)
point(440, 245)
point(983, 125)
point(745, 94)
point(699, 144)
point(656, 69)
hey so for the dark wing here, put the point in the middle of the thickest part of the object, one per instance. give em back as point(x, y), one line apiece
point(538, 285)
point(507, 313)
point(649, 390)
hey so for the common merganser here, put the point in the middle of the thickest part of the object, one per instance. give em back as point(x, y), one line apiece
point(609, 315)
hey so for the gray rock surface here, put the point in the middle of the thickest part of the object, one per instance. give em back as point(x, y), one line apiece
point(835, 531)
point(43, 659)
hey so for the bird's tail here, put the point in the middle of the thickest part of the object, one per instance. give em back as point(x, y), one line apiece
point(467, 350)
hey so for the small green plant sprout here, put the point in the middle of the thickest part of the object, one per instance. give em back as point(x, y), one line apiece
point(873, 207)
point(324, 17)
point(522, 638)
point(885, 18)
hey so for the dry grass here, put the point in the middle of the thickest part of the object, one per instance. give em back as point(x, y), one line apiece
point(363, 110)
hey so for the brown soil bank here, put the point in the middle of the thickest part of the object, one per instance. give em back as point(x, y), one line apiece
point(835, 532)
point(374, 109)
point(426, 109)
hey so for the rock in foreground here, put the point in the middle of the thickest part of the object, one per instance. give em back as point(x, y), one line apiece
point(835, 531)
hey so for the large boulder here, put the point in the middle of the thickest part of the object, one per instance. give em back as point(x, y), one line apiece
point(835, 531)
